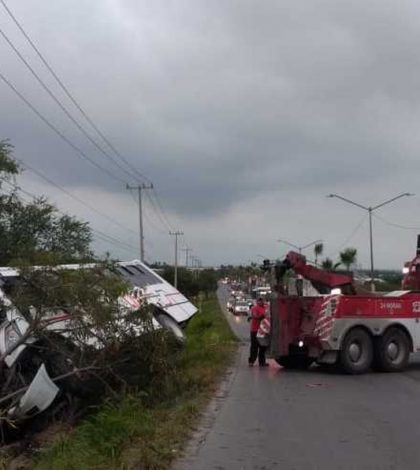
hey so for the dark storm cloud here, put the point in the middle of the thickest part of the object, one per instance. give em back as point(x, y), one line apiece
point(220, 103)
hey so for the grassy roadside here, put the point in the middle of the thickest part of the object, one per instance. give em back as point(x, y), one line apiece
point(137, 435)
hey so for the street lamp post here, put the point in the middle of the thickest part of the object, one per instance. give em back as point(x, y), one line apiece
point(300, 248)
point(370, 210)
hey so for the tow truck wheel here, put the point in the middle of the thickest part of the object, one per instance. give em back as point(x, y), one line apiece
point(356, 354)
point(393, 350)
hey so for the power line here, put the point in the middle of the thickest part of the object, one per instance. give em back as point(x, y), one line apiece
point(152, 221)
point(160, 211)
point(70, 143)
point(114, 241)
point(157, 212)
point(78, 106)
point(99, 233)
point(73, 196)
point(159, 205)
point(79, 151)
point(69, 95)
point(392, 224)
point(61, 106)
point(353, 233)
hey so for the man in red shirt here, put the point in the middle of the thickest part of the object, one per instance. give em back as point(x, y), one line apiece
point(256, 350)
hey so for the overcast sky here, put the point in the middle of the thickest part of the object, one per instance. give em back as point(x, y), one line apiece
point(244, 114)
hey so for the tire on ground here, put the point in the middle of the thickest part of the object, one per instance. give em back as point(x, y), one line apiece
point(356, 354)
point(392, 351)
point(169, 324)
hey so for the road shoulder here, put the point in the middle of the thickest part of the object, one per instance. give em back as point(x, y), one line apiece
point(209, 416)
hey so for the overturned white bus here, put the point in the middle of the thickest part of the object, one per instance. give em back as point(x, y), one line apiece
point(171, 310)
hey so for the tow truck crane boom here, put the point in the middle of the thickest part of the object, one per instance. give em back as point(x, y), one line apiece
point(321, 279)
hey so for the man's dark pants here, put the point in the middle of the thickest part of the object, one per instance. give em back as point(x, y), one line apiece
point(256, 350)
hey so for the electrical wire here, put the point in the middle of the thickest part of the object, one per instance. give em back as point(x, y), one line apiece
point(392, 224)
point(156, 203)
point(152, 223)
point(161, 209)
point(350, 237)
point(105, 236)
point(149, 211)
point(78, 151)
point(114, 241)
point(61, 106)
point(73, 196)
point(70, 95)
point(158, 212)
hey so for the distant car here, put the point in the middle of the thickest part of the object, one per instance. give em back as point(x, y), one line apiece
point(261, 291)
point(250, 302)
point(241, 308)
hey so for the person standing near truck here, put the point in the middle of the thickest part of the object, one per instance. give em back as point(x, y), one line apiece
point(256, 350)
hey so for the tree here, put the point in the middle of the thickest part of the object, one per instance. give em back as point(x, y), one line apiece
point(187, 284)
point(207, 281)
point(35, 232)
point(327, 264)
point(8, 166)
point(348, 257)
point(318, 250)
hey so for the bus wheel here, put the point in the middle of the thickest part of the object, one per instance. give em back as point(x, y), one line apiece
point(393, 350)
point(356, 353)
point(170, 325)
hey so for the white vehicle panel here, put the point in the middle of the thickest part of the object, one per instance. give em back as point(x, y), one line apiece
point(40, 394)
point(157, 291)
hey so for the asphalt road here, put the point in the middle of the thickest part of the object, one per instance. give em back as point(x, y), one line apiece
point(276, 419)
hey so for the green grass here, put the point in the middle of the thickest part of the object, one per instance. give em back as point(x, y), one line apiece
point(139, 435)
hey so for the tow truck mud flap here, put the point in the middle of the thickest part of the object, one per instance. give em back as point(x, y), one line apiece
point(39, 396)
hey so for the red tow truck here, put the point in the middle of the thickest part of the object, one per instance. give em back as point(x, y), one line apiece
point(343, 325)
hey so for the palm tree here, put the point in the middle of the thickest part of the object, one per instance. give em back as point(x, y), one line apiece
point(348, 257)
point(318, 249)
point(327, 264)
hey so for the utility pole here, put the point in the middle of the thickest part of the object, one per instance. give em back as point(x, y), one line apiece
point(195, 263)
point(139, 188)
point(187, 250)
point(176, 235)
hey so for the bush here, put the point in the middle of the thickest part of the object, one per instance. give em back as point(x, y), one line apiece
point(101, 348)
